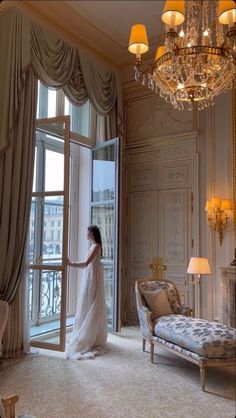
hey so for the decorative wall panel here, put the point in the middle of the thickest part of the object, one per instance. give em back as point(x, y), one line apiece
point(151, 117)
point(173, 218)
point(175, 174)
point(159, 224)
point(140, 223)
point(160, 153)
point(160, 147)
point(141, 179)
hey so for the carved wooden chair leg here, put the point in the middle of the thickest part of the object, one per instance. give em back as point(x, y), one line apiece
point(202, 376)
point(9, 405)
point(151, 351)
point(144, 344)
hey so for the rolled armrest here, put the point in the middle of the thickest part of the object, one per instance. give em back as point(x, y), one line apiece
point(184, 310)
point(145, 319)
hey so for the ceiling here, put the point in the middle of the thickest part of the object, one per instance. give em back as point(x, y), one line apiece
point(103, 26)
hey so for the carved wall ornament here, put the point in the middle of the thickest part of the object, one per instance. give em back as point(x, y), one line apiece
point(171, 152)
point(175, 227)
point(175, 176)
point(149, 116)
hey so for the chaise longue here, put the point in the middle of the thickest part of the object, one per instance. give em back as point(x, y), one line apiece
point(167, 323)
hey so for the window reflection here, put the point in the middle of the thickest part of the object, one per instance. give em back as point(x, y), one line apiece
point(103, 217)
point(103, 174)
point(53, 229)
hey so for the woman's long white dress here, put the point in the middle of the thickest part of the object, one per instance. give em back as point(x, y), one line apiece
point(90, 328)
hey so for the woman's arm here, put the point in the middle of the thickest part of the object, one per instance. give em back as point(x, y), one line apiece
point(88, 260)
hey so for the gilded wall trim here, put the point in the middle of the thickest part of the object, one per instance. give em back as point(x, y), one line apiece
point(234, 154)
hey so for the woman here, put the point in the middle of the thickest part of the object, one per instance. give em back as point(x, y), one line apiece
point(90, 327)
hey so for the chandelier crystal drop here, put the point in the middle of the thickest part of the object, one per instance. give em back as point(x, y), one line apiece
point(197, 59)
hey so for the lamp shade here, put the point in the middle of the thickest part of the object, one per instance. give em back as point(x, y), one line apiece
point(227, 204)
point(215, 203)
point(198, 265)
point(227, 12)
point(138, 41)
point(173, 13)
point(161, 50)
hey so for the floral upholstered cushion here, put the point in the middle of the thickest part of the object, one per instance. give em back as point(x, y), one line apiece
point(207, 339)
point(170, 291)
point(157, 302)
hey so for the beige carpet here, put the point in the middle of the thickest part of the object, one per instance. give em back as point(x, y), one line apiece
point(121, 384)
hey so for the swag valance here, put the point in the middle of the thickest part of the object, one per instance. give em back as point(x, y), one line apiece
point(26, 45)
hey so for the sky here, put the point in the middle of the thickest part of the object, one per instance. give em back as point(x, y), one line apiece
point(103, 173)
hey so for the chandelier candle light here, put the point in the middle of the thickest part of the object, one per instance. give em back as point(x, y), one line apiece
point(198, 58)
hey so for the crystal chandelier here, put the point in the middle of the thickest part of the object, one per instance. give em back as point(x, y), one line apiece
point(198, 59)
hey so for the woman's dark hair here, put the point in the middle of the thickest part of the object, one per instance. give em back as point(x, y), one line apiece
point(96, 234)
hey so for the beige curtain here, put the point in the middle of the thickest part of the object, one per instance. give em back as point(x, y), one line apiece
point(106, 126)
point(30, 52)
point(15, 58)
point(16, 173)
point(16, 335)
point(57, 64)
point(102, 86)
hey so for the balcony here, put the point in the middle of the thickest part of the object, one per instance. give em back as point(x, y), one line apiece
point(45, 299)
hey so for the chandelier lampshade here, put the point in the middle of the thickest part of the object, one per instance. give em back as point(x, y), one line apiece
point(227, 12)
point(197, 60)
point(160, 51)
point(173, 13)
point(138, 41)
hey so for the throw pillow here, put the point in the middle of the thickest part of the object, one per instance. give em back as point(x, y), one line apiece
point(157, 302)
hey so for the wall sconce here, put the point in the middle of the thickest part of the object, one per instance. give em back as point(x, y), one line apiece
point(217, 215)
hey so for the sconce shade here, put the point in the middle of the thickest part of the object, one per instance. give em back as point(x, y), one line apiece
point(227, 204)
point(161, 50)
point(208, 205)
point(198, 265)
point(227, 12)
point(215, 202)
point(173, 13)
point(138, 41)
